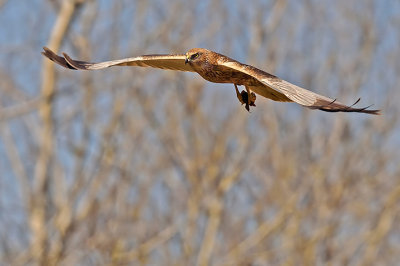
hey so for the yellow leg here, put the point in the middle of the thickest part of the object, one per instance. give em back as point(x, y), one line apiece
point(251, 97)
point(238, 95)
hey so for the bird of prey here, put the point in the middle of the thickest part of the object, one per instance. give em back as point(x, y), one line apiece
point(219, 68)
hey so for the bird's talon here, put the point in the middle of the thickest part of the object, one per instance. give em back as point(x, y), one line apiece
point(249, 101)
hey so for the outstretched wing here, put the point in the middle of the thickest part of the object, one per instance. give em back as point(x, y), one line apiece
point(275, 85)
point(172, 62)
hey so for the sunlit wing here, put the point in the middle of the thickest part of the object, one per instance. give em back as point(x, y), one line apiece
point(275, 85)
point(269, 93)
point(171, 62)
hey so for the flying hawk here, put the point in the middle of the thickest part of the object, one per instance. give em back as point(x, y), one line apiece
point(219, 68)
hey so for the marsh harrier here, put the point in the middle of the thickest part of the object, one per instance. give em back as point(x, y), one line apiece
point(219, 68)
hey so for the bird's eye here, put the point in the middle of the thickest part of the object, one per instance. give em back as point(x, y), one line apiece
point(194, 56)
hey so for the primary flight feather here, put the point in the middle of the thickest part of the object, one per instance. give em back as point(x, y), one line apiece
point(219, 68)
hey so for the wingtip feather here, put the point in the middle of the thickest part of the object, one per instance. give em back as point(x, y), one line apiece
point(55, 58)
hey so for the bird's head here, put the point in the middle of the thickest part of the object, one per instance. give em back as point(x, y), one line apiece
point(195, 56)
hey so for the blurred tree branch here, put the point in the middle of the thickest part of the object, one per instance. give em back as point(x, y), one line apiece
point(46, 151)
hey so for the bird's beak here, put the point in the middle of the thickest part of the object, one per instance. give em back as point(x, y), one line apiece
point(186, 60)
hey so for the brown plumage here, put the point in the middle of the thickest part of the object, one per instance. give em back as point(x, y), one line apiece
point(218, 68)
